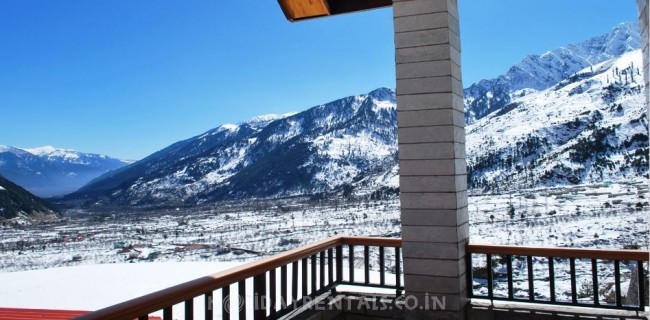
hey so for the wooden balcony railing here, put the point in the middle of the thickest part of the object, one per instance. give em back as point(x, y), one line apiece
point(315, 269)
point(508, 273)
point(540, 275)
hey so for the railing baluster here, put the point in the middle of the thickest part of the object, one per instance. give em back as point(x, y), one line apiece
point(511, 291)
point(241, 286)
point(366, 264)
point(551, 278)
point(272, 292)
point(304, 277)
point(283, 285)
point(382, 269)
point(259, 296)
point(225, 303)
point(189, 309)
point(351, 262)
point(321, 275)
point(398, 271)
point(330, 265)
point(617, 282)
point(209, 306)
point(641, 278)
point(339, 263)
point(574, 291)
point(168, 313)
point(594, 280)
point(313, 274)
point(490, 275)
point(469, 275)
point(531, 283)
point(294, 281)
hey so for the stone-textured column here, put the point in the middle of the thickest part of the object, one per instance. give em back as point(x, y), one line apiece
point(644, 17)
point(431, 139)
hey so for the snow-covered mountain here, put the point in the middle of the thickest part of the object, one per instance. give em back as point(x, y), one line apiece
point(540, 71)
point(343, 146)
point(586, 127)
point(590, 127)
point(18, 202)
point(48, 171)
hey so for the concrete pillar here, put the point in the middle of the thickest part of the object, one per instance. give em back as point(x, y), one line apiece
point(431, 140)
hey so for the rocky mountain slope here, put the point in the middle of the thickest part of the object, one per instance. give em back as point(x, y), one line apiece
point(591, 127)
point(336, 147)
point(588, 126)
point(16, 201)
point(48, 171)
point(541, 71)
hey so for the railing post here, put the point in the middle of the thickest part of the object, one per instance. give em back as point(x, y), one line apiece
point(490, 275)
point(351, 263)
point(382, 268)
point(366, 264)
point(551, 278)
point(531, 278)
point(259, 296)
point(617, 282)
point(189, 309)
point(272, 292)
point(641, 279)
point(511, 290)
point(284, 297)
point(294, 281)
point(168, 313)
point(330, 266)
point(241, 285)
point(225, 303)
point(574, 289)
point(339, 263)
point(594, 280)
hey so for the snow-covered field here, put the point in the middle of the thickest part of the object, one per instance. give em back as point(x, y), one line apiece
point(92, 287)
point(602, 216)
point(186, 245)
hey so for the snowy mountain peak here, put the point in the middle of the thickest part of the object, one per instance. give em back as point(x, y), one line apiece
point(541, 71)
point(53, 152)
point(383, 94)
point(49, 171)
point(270, 117)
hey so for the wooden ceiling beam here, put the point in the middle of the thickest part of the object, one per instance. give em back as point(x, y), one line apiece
point(304, 9)
point(295, 10)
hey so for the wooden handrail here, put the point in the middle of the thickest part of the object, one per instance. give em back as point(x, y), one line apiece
point(372, 241)
point(168, 297)
point(603, 254)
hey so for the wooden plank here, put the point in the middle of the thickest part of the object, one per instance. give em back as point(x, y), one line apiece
point(633, 255)
point(302, 9)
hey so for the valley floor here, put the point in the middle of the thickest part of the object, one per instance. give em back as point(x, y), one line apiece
point(603, 216)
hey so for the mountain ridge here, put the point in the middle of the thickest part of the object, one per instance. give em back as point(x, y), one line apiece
point(48, 171)
point(540, 71)
point(18, 202)
point(349, 146)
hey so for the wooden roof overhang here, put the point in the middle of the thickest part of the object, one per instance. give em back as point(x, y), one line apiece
point(296, 10)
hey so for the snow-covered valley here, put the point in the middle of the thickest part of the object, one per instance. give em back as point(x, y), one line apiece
point(596, 215)
point(185, 244)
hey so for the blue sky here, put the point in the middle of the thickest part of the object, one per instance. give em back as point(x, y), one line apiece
point(127, 78)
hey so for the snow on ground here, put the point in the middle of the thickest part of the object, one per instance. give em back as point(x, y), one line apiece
point(169, 247)
point(91, 287)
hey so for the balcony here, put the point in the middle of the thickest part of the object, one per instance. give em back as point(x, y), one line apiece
point(361, 277)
